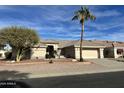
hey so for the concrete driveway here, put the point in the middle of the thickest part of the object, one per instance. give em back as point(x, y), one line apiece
point(108, 62)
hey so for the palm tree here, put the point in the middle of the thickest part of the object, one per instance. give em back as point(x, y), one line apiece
point(83, 15)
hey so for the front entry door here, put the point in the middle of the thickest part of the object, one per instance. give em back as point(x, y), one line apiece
point(50, 52)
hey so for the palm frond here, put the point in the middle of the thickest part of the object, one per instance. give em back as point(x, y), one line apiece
point(83, 14)
point(87, 11)
point(92, 17)
point(82, 7)
point(75, 17)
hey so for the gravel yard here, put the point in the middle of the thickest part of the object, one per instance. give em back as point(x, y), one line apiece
point(30, 69)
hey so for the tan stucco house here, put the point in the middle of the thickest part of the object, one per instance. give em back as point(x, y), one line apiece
point(70, 49)
point(92, 49)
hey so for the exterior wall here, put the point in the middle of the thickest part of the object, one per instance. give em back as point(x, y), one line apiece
point(59, 53)
point(38, 53)
point(101, 53)
point(2, 53)
point(68, 52)
point(87, 53)
point(115, 52)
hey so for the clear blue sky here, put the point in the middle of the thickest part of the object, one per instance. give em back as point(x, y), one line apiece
point(54, 22)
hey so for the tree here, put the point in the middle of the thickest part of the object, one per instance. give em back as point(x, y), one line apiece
point(83, 15)
point(19, 38)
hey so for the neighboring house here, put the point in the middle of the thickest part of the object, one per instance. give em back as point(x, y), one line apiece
point(114, 50)
point(2, 52)
point(118, 50)
point(71, 49)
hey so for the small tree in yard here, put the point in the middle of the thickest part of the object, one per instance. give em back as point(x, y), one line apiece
point(19, 38)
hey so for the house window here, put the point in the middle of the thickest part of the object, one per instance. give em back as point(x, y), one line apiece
point(120, 51)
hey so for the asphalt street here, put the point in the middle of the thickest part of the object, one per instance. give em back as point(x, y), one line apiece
point(99, 80)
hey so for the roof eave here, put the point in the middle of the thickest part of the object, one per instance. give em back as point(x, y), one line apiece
point(90, 46)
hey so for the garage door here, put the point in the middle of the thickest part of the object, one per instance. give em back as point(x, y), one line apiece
point(92, 53)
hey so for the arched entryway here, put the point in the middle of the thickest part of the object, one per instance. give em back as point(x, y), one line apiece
point(50, 51)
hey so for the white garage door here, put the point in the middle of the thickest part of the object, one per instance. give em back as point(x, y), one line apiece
point(92, 53)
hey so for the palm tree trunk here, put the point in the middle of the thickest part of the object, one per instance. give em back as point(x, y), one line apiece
point(81, 42)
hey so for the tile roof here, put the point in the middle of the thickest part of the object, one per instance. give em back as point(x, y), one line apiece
point(49, 41)
point(118, 44)
point(91, 43)
point(39, 45)
point(97, 43)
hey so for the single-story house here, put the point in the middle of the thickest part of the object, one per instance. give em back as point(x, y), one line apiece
point(71, 49)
